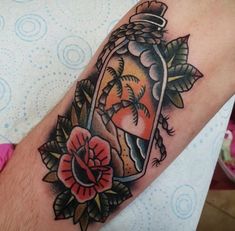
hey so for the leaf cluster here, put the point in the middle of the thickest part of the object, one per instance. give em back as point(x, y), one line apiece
point(181, 75)
point(97, 209)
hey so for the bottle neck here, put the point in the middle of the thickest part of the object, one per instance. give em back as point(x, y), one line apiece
point(155, 20)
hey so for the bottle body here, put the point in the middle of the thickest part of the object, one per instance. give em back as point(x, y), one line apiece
point(128, 98)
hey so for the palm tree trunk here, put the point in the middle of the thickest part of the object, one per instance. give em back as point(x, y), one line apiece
point(105, 92)
point(108, 114)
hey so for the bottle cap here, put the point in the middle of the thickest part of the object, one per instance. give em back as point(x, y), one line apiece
point(151, 12)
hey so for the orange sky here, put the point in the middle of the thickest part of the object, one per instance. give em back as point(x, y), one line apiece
point(123, 118)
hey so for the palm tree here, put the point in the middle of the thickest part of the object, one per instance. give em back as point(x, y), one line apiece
point(117, 79)
point(133, 103)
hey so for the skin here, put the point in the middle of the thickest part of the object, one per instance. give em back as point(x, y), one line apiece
point(26, 201)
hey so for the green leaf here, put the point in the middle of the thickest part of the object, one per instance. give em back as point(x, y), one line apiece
point(80, 209)
point(84, 92)
point(50, 153)
point(83, 98)
point(175, 98)
point(51, 177)
point(82, 119)
point(84, 221)
point(176, 51)
point(181, 78)
point(118, 193)
point(64, 205)
point(98, 208)
point(110, 192)
point(63, 130)
point(74, 116)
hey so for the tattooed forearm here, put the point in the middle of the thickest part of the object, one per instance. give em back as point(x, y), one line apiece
point(103, 142)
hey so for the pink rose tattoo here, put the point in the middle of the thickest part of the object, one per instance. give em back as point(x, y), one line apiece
point(81, 173)
point(85, 168)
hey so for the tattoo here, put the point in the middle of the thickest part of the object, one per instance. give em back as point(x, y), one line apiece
point(103, 143)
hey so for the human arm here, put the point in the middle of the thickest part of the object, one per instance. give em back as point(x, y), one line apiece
point(201, 46)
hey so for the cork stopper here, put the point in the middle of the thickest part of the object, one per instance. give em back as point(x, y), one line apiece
point(151, 12)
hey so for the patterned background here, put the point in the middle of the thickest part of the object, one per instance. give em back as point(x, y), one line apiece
point(44, 46)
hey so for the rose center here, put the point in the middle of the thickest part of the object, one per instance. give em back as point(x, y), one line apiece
point(82, 173)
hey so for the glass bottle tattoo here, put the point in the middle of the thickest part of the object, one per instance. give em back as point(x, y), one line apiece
point(103, 143)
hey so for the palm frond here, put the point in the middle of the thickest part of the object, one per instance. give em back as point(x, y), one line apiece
point(142, 107)
point(131, 93)
point(120, 68)
point(112, 72)
point(135, 114)
point(119, 88)
point(141, 93)
point(129, 78)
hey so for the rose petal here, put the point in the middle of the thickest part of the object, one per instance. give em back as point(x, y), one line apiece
point(64, 171)
point(101, 149)
point(99, 152)
point(84, 194)
point(91, 163)
point(81, 193)
point(105, 182)
point(91, 154)
point(77, 139)
point(97, 162)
